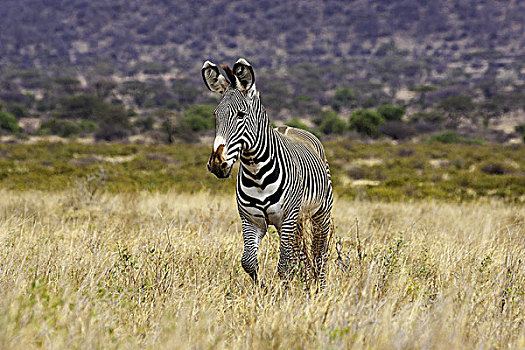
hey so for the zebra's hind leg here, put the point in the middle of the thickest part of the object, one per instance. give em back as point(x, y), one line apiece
point(252, 234)
point(287, 258)
point(322, 227)
point(301, 252)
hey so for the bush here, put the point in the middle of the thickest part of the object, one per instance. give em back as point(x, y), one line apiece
point(460, 104)
point(80, 107)
point(454, 137)
point(114, 123)
point(391, 113)
point(493, 168)
point(87, 126)
point(197, 118)
point(422, 128)
point(8, 122)
point(366, 121)
point(66, 128)
point(344, 98)
point(144, 123)
point(434, 117)
point(456, 107)
point(18, 110)
point(520, 129)
point(397, 130)
point(330, 123)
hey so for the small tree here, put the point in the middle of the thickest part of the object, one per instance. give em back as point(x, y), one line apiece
point(344, 97)
point(168, 124)
point(113, 123)
point(8, 122)
point(520, 129)
point(397, 130)
point(423, 90)
point(198, 118)
point(456, 107)
point(433, 117)
point(366, 121)
point(79, 107)
point(392, 113)
point(330, 123)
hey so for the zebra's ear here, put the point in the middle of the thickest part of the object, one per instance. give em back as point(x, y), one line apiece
point(244, 73)
point(213, 79)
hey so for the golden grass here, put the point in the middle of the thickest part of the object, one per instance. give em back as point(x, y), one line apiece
point(163, 271)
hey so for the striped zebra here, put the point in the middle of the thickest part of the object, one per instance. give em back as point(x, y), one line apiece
point(283, 177)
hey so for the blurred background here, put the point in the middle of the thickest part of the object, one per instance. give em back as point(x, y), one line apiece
point(411, 98)
point(130, 70)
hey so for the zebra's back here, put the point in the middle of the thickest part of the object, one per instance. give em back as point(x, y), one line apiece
point(309, 157)
point(307, 139)
point(304, 137)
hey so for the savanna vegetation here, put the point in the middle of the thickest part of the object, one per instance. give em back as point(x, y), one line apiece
point(133, 244)
point(378, 69)
point(445, 167)
point(143, 270)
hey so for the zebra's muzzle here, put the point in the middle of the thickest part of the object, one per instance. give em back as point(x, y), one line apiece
point(218, 164)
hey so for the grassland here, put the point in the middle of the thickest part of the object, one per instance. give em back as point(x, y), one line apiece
point(379, 171)
point(162, 270)
point(134, 246)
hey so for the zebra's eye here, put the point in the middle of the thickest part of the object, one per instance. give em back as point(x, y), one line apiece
point(240, 114)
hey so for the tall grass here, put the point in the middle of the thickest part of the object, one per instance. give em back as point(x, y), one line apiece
point(150, 270)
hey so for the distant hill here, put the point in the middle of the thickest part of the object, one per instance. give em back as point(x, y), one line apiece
point(384, 52)
point(179, 34)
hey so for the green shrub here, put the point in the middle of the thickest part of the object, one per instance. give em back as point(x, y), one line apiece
point(391, 113)
point(8, 122)
point(456, 107)
point(144, 123)
point(330, 123)
point(66, 128)
point(366, 121)
point(434, 117)
point(397, 130)
point(80, 107)
point(18, 110)
point(453, 137)
point(493, 168)
point(87, 126)
point(197, 118)
point(520, 129)
point(460, 104)
point(114, 123)
point(344, 97)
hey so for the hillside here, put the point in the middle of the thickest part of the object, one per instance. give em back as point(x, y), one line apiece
point(309, 56)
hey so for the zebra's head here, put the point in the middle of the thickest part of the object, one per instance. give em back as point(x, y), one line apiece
point(235, 122)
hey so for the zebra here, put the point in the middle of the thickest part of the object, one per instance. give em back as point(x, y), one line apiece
point(283, 179)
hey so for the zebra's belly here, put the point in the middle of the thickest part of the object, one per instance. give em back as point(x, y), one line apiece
point(271, 212)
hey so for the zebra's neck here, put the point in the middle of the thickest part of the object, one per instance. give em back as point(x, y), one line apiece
point(262, 152)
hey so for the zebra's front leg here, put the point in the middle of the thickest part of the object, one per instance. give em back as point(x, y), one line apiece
point(252, 233)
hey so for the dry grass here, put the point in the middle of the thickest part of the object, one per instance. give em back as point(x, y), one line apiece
point(163, 271)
